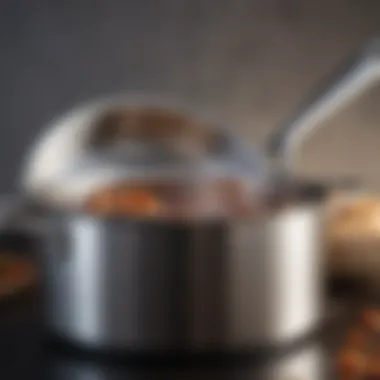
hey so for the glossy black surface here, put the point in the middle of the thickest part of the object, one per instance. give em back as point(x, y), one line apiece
point(26, 354)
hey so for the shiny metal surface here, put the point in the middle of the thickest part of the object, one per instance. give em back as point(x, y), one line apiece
point(276, 279)
point(146, 286)
point(63, 167)
point(136, 284)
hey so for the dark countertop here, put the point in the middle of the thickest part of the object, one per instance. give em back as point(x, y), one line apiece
point(24, 353)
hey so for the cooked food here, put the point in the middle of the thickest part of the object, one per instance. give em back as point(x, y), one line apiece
point(356, 218)
point(352, 362)
point(353, 237)
point(171, 200)
point(16, 274)
point(125, 200)
point(371, 319)
point(360, 356)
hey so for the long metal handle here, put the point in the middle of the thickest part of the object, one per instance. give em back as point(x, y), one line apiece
point(343, 87)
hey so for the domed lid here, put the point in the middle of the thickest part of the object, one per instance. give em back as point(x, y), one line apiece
point(138, 162)
point(153, 143)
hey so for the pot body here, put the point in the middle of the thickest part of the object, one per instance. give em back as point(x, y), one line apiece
point(128, 284)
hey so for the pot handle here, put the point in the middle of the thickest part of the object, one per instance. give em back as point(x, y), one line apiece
point(347, 84)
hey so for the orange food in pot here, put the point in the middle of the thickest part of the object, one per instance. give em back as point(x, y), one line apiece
point(133, 201)
point(139, 202)
point(172, 200)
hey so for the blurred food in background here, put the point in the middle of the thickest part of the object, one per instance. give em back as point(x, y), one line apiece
point(352, 228)
point(360, 356)
point(17, 274)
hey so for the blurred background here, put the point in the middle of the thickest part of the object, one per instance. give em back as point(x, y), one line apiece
point(250, 62)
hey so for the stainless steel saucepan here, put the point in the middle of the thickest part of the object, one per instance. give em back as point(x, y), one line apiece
point(215, 280)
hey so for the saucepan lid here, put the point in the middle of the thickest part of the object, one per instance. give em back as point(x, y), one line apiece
point(124, 142)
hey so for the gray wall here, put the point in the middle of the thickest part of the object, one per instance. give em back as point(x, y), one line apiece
point(248, 61)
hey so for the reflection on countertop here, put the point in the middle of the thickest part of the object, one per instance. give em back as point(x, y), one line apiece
point(307, 363)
